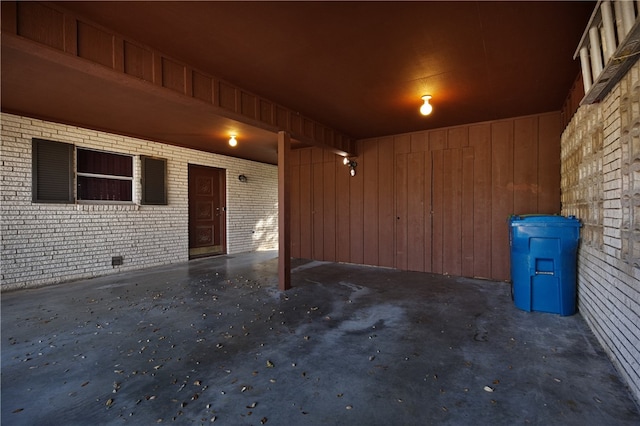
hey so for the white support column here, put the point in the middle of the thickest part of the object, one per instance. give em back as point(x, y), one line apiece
point(617, 13)
point(594, 50)
point(586, 68)
point(608, 30)
point(628, 17)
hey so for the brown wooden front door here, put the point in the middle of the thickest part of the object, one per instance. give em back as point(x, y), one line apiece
point(207, 189)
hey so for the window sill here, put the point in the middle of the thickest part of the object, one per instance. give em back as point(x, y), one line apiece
point(91, 206)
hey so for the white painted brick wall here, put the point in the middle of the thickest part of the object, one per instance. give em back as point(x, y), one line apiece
point(608, 266)
point(49, 243)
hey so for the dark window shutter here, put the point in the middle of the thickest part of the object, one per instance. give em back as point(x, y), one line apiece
point(154, 180)
point(52, 167)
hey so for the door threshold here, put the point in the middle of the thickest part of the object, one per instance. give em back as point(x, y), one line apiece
point(195, 253)
point(202, 255)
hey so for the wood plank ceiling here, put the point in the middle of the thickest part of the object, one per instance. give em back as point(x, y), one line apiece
point(359, 68)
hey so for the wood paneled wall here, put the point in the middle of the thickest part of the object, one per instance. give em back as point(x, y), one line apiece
point(433, 201)
point(572, 103)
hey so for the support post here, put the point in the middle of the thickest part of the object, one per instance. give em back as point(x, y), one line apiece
point(594, 50)
point(284, 211)
point(628, 18)
point(586, 68)
point(609, 30)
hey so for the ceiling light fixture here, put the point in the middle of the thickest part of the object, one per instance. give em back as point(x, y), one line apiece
point(233, 141)
point(426, 108)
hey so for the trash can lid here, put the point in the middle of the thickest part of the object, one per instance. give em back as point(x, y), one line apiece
point(543, 220)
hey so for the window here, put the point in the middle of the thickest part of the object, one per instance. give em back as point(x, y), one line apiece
point(104, 176)
point(99, 175)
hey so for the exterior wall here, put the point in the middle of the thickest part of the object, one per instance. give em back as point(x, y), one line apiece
point(49, 243)
point(433, 201)
point(601, 186)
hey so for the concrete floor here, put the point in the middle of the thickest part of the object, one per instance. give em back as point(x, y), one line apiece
point(214, 340)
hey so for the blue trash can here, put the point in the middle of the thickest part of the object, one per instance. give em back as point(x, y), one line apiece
point(543, 262)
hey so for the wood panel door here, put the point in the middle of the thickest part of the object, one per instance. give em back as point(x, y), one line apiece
point(452, 212)
point(434, 206)
point(207, 218)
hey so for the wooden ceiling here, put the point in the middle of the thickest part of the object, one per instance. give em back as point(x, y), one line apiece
point(357, 67)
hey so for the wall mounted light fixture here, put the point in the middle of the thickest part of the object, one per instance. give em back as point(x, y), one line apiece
point(426, 108)
point(242, 178)
point(233, 141)
point(352, 165)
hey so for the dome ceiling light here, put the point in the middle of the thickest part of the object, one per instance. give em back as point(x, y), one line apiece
point(426, 108)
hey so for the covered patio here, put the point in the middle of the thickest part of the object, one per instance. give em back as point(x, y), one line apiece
point(213, 340)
